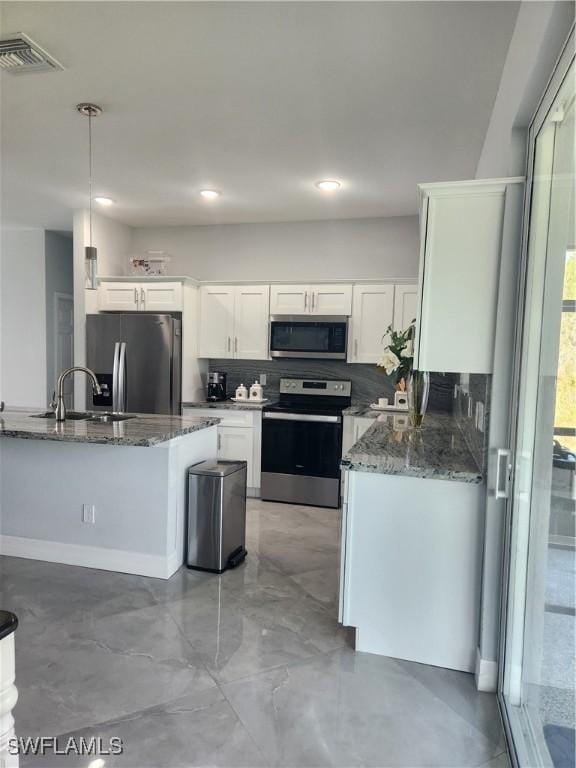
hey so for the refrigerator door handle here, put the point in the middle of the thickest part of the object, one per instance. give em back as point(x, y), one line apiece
point(115, 403)
point(503, 470)
point(122, 377)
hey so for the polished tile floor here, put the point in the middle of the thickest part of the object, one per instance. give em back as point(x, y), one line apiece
point(246, 669)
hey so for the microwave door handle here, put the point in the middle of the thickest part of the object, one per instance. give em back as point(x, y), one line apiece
point(115, 404)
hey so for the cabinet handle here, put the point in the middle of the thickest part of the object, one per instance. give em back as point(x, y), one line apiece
point(356, 349)
point(219, 443)
point(136, 297)
point(306, 300)
point(229, 344)
point(235, 343)
point(313, 300)
point(142, 297)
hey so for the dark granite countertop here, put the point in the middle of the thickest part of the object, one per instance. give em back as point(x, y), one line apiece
point(437, 451)
point(363, 410)
point(145, 430)
point(228, 404)
point(8, 623)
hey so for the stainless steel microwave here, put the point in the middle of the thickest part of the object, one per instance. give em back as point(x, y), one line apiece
point(310, 337)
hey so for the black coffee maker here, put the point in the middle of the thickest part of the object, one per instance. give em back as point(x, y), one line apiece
point(216, 390)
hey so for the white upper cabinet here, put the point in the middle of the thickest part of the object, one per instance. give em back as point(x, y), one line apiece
point(234, 321)
point(161, 297)
point(331, 299)
point(216, 321)
point(289, 299)
point(118, 297)
point(372, 312)
point(251, 315)
point(466, 230)
point(311, 299)
point(405, 305)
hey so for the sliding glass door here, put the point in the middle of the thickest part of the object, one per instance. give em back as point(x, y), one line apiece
point(538, 674)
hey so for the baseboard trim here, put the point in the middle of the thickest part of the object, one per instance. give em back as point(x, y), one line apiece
point(486, 674)
point(102, 558)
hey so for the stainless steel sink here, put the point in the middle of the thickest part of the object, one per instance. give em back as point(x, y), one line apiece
point(104, 418)
point(109, 417)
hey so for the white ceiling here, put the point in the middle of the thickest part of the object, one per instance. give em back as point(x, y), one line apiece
point(256, 99)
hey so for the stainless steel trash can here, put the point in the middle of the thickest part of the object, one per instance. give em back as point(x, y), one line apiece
point(216, 515)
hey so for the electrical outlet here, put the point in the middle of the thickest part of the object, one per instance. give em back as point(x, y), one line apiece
point(263, 379)
point(470, 407)
point(88, 513)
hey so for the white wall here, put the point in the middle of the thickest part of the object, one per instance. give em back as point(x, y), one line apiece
point(316, 251)
point(113, 241)
point(59, 279)
point(23, 318)
point(540, 31)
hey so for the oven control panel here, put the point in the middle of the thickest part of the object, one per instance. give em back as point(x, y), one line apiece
point(322, 387)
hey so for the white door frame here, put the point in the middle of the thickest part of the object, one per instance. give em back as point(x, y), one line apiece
point(517, 535)
point(57, 296)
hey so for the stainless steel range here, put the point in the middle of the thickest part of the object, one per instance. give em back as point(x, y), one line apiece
point(302, 442)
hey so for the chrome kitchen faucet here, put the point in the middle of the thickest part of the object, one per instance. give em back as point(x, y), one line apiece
point(59, 406)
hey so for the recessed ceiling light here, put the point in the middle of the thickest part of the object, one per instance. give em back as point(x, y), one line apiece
point(210, 194)
point(104, 200)
point(328, 185)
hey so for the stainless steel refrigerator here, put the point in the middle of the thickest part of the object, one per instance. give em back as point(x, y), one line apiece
point(138, 361)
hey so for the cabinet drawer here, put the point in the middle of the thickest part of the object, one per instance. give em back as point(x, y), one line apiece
point(228, 416)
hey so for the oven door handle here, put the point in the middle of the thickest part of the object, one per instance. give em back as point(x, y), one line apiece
point(302, 417)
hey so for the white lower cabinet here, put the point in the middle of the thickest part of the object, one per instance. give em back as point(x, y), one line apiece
point(236, 444)
point(239, 438)
point(410, 568)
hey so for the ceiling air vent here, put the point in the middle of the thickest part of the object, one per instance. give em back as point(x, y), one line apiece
point(20, 54)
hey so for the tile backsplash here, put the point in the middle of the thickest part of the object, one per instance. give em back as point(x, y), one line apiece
point(472, 410)
point(368, 382)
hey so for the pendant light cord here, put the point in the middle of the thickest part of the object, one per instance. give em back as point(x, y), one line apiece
point(90, 171)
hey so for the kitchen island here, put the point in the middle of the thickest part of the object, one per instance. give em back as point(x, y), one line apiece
point(97, 494)
point(412, 543)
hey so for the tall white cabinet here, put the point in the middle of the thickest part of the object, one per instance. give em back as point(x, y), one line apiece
point(234, 321)
point(465, 233)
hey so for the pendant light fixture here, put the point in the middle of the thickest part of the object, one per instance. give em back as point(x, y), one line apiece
point(90, 253)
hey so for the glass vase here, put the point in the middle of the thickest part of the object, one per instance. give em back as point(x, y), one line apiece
point(418, 390)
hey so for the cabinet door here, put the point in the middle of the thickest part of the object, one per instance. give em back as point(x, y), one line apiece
point(405, 305)
point(161, 297)
point(331, 299)
point(290, 299)
point(118, 297)
point(372, 312)
point(461, 260)
point(235, 444)
point(216, 321)
point(251, 322)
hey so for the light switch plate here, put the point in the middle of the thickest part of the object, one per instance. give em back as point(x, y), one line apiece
point(88, 513)
point(263, 379)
